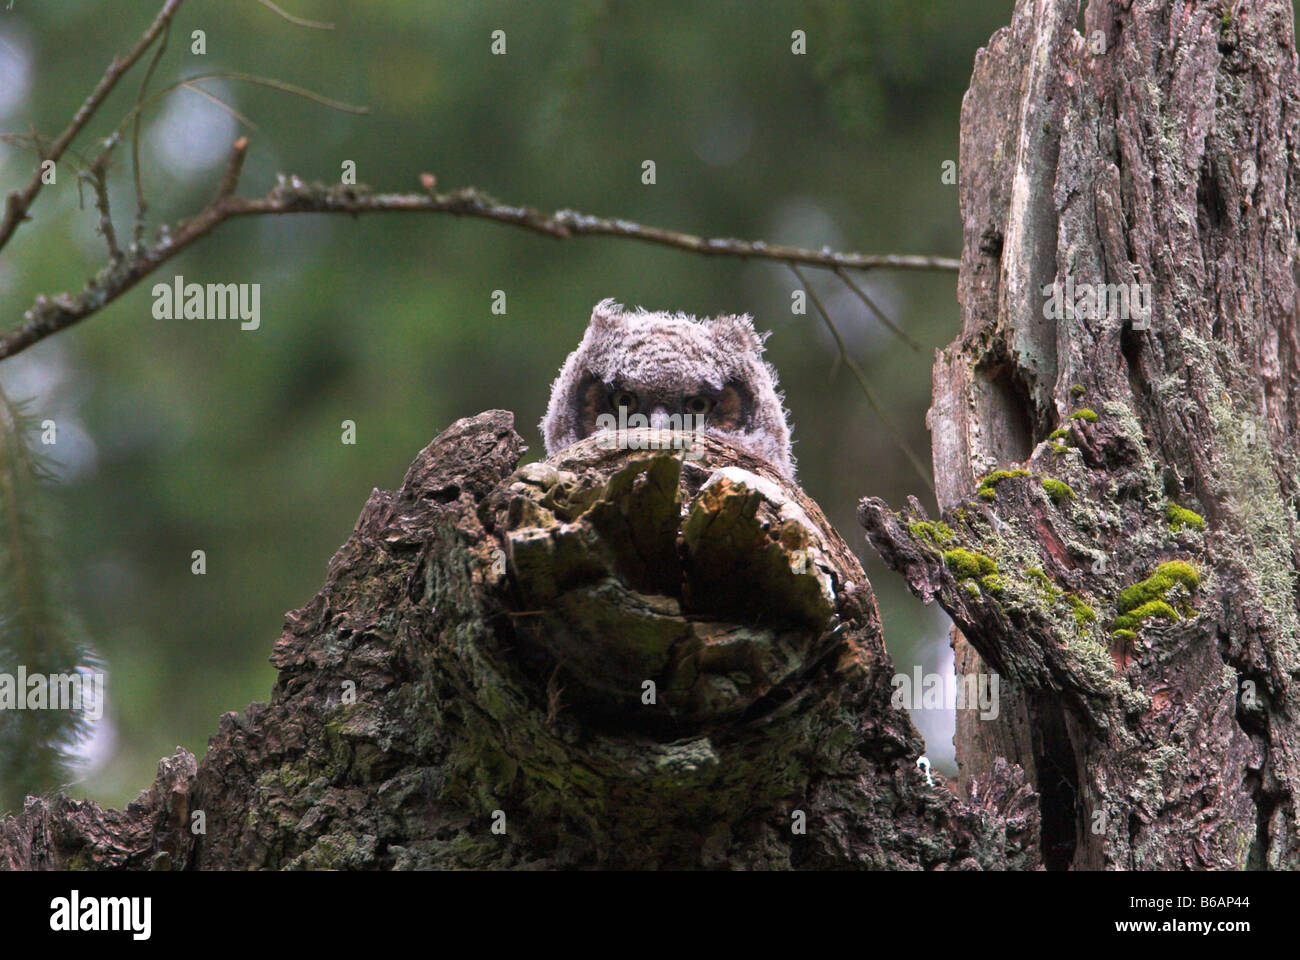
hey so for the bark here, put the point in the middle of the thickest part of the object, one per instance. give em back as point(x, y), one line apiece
point(1169, 159)
point(498, 627)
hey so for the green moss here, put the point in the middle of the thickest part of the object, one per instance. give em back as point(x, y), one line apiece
point(1180, 517)
point(1154, 587)
point(1044, 582)
point(1058, 490)
point(992, 583)
point(1085, 414)
point(935, 533)
point(1060, 448)
point(997, 476)
point(1077, 390)
point(967, 565)
point(1126, 635)
point(1181, 571)
point(1153, 608)
point(1083, 614)
point(971, 588)
point(988, 486)
point(1060, 433)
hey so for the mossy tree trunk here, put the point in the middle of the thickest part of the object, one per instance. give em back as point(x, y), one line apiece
point(615, 658)
point(1143, 617)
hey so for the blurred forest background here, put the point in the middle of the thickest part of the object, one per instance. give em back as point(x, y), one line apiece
point(180, 435)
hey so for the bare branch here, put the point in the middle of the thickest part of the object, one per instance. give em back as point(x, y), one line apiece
point(49, 315)
point(863, 383)
point(295, 196)
point(19, 201)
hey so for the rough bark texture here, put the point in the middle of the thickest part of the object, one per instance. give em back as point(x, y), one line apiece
point(1168, 158)
point(499, 627)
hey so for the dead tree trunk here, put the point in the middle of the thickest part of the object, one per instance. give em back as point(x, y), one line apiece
point(1144, 606)
point(615, 658)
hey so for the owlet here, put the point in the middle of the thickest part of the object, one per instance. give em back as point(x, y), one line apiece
point(670, 371)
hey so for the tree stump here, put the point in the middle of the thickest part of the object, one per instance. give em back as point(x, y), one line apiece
point(620, 658)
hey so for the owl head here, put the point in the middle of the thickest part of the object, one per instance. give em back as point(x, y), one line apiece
point(666, 367)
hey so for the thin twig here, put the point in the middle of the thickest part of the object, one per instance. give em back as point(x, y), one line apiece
point(234, 167)
point(296, 21)
point(862, 381)
point(190, 83)
point(269, 82)
point(213, 98)
point(97, 176)
point(19, 201)
point(93, 172)
point(140, 206)
point(862, 295)
point(29, 141)
point(49, 315)
point(273, 84)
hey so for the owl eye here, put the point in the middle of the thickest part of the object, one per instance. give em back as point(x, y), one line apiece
point(623, 398)
point(699, 405)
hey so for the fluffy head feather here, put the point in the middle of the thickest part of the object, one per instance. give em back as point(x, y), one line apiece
point(664, 361)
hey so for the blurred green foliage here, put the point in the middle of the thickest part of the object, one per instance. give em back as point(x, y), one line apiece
point(196, 435)
point(37, 627)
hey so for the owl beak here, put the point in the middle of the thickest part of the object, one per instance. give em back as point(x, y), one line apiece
point(659, 419)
